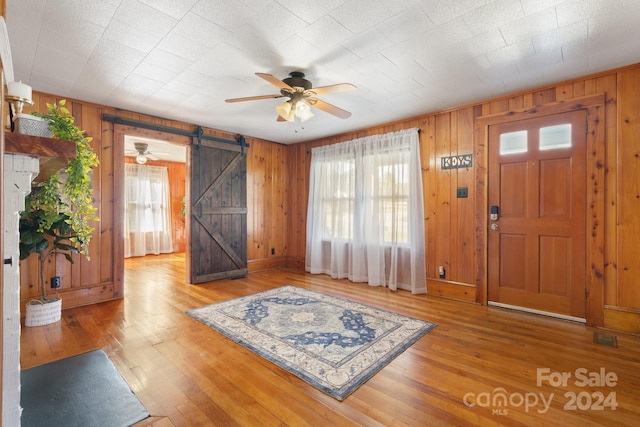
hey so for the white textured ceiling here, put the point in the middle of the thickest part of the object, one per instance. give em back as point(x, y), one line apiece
point(182, 59)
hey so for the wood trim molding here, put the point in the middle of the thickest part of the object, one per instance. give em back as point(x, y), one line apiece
point(266, 264)
point(542, 110)
point(452, 290)
point(621, 319)
point(116, 132)
point(595, 217)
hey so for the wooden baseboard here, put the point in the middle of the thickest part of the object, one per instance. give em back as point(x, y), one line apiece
point(621, 319)
point(297, 263)
point(452, 290)
point(266, 264)
point(77, 297)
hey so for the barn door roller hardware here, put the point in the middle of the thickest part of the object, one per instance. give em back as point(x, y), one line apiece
point(199, 134)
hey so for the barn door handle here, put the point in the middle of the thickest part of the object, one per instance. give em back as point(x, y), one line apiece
point(8, 261)
point(200, 210)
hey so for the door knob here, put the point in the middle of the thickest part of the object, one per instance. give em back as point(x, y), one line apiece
point(494, 227)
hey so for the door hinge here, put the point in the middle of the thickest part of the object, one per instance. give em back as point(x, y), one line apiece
point(586, 294)
point(586, 127)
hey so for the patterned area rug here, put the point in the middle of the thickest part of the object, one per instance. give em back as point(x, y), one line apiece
point(332, 343)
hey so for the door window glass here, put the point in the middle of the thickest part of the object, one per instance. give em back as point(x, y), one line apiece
point(554, 137)
point(513, 142)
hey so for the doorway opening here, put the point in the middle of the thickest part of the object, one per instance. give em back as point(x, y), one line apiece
point(155, 198)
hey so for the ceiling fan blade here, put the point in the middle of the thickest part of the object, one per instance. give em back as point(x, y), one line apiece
point(341, 87)
point(329, 108)
point(254, 98)
point(274, 81)
point(280, 119)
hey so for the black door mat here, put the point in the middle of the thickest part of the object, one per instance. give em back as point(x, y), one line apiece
point(85, 390)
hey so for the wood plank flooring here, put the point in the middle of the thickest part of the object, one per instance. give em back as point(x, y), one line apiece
point(186, 374)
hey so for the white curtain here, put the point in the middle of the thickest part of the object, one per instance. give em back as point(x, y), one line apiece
point(147, 225)
point(365, 217)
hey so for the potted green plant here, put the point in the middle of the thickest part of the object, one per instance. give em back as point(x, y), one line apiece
point(59, 212)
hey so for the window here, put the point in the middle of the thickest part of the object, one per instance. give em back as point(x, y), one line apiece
point(550, 138)
point(338, 200)
point(365, 216)
point(554, 137)
point(513, 142)
point(147, 228)
point(389, 201)
point(145, 214)
point(392, 179)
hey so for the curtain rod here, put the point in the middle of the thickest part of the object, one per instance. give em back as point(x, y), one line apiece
point(419, 130)
point(199, 134)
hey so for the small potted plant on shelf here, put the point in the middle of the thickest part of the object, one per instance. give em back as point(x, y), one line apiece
point(58, 212)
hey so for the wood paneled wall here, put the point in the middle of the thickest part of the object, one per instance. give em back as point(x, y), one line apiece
point(277, 194)
point(86, 280)
point(453, 225)
point(177, 172)
point(622, 194)
point(267, 200)
point(99, 278)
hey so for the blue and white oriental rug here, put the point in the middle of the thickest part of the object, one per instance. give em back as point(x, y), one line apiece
point(332, 343)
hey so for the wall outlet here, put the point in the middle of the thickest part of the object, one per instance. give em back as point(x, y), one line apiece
point(273, 251)
point(55, 282)
point(462, 192)
point(442, 273)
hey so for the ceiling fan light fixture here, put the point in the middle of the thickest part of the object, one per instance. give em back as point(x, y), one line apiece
point(286, 111)
point(141, 159)
point(303, 110)
point(301, 94)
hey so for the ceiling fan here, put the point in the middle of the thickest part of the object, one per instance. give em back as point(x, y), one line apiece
point(143, 153)
point(301, 94)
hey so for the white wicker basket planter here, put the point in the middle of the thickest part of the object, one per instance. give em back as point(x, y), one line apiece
point(40, 313)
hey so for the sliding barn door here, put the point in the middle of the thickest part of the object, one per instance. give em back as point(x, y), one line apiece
point(218, 211)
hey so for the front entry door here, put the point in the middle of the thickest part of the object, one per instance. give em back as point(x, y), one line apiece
point(537, 185)
point(218, 211)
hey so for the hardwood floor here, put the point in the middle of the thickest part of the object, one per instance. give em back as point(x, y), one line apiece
point(186, 374)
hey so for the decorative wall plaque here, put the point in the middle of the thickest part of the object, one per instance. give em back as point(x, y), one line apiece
point(457, 162)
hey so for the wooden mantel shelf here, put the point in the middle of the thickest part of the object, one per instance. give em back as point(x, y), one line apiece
point(54, 154)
